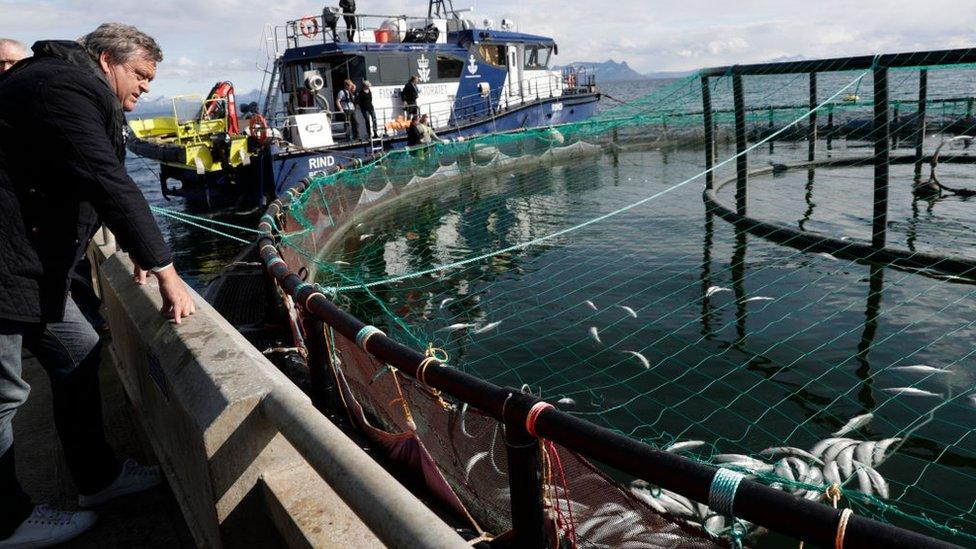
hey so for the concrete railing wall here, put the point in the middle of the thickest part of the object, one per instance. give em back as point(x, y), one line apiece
point(201, 393)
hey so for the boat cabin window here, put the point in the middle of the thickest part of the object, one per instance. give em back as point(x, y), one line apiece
point(394, 69)
point(449, 67)
point(537, 57)
point(493, 54)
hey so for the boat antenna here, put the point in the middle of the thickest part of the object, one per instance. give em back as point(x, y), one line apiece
point(441, 9)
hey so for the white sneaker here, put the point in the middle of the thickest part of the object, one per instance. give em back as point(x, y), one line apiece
point(133, 478)
point(46, 527)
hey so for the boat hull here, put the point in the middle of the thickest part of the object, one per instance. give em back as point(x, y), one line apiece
point(276, 170)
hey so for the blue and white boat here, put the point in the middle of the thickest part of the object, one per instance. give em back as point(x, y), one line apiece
point(474, 79)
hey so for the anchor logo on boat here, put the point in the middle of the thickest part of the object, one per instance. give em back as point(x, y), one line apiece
point(472, 64)
point(424, 68)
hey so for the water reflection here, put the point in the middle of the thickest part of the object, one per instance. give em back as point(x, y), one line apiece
point(808, 198)
point(872, 312)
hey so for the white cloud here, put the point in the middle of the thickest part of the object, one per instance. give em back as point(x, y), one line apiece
point(221, 39)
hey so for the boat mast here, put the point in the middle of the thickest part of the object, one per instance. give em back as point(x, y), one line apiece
point(441, 9)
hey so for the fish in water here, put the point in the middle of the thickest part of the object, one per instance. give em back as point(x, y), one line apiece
point(590, 304)
point(685, 446)
point(854, 423)
point(365, 236)
point(486, 327)
point(972, 400)
point(921, 369)
point(640, 357)
point(790, 451)
point(629, 311)
point(911, 391)
point(821, 447)
point(445, 301)
point(464, 414)
point(340, 263)
point(878, 455)
point(595, 334)
point(825, 255)
point(566, 401)
point(757, 298)
point(453, 327)
point(712, 290)
point(472, 462)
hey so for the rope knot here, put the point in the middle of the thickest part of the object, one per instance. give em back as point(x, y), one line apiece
point(533, 415)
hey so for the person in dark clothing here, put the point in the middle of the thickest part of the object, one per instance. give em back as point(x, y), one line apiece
point(409, 95)
point(414, 134)
point(365, 100)
point(330, 19)
point(62, 173)
point(349, 7)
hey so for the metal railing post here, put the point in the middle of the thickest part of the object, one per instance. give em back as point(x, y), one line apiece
point(923, 91)
point(741, 162)
point(882, 148)
point(830, 127)
point(524, 475)
point(707, 120)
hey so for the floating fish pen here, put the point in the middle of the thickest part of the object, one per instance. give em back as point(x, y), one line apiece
point(698, 319)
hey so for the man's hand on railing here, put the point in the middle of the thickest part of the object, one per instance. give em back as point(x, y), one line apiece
point(177, 301)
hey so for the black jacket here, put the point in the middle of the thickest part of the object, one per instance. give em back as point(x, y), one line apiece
point(62, 152)
point(365, 99)
point(414, 137)
point(409, 93)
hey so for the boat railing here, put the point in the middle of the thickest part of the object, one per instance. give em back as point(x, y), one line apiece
point(453, 112)
point(338, 27)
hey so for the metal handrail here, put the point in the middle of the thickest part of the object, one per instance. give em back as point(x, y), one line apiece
point(396, 516)
point(477, 107)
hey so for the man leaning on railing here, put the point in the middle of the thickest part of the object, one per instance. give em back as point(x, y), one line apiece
point(69, 98)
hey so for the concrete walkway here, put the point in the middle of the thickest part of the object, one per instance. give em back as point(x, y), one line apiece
point(150, 519)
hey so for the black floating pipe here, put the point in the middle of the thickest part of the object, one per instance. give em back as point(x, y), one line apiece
point(524, 475)
point(923, 91)
point(882, 147)
point(846, 249)
point(754, 502)
point(741, 160)
point(812, 121)
point(708, 123)
point(864, 62)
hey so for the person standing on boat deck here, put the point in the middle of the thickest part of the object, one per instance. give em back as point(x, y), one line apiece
point(330, 19)
point(346, 100)
point(11, 51)
point(349, 7)
point(365, 100)
point(427, 135)
point(414, 134)
point(409, 95)
point(62, 172)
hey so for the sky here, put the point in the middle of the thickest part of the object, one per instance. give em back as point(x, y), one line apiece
point(204, 42)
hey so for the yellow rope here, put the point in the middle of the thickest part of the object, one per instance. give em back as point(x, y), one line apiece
point(403, 400)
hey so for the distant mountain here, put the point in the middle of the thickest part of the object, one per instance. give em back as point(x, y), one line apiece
point(607, 71)
point(163, 105)
point(612, 71)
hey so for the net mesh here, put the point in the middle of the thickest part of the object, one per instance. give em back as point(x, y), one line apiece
point(579, 262)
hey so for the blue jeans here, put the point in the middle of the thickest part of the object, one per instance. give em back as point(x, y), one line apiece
point(70, 353)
